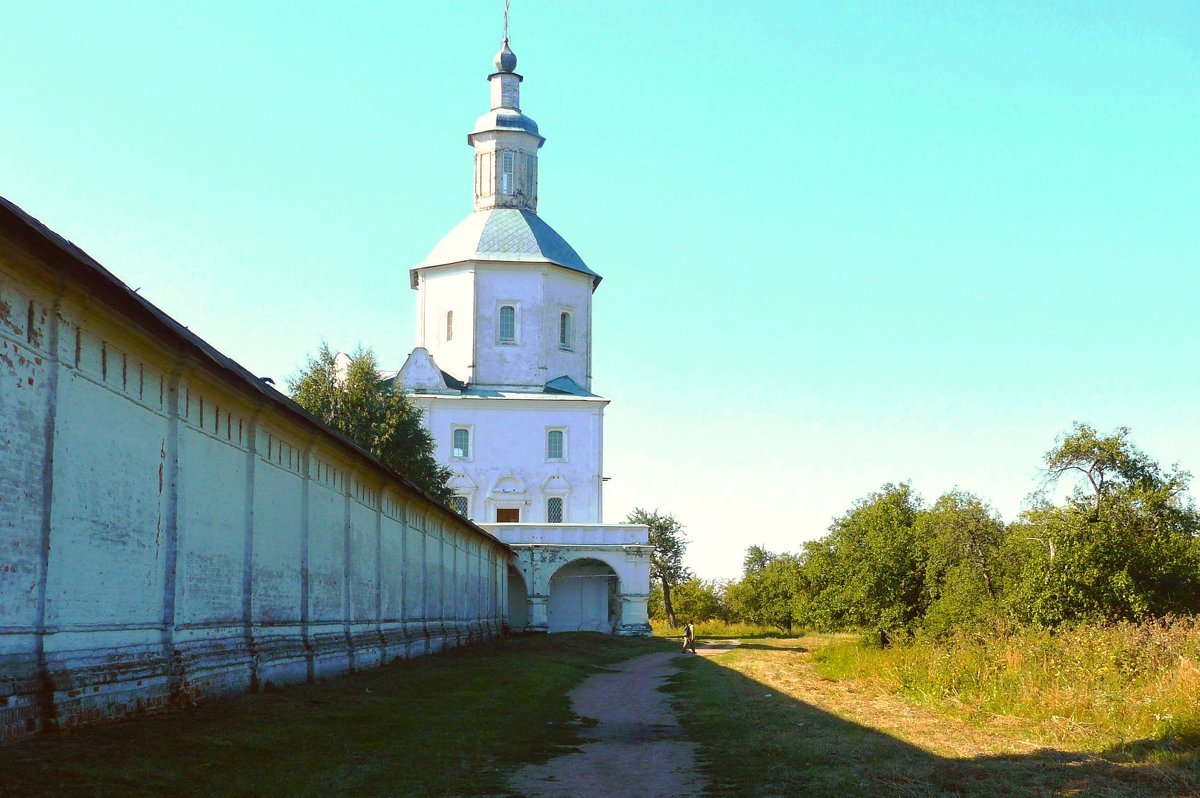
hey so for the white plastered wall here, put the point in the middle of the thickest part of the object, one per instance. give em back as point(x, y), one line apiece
point(538, 292)
point(451, 289)
point(508, 443)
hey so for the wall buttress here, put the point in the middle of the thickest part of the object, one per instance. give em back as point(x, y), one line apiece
point(54, 366)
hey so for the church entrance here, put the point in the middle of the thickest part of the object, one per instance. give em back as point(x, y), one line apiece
point(583, 598)
point(508, 515)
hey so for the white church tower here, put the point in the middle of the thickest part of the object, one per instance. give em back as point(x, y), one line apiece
point(503, 372)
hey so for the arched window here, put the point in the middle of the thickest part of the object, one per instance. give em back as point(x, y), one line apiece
point(508, 324)
point(449, 325)
point(462, 443)
point(554, 510)
point(554, 444)
point(506, 173)
point(566, 331)
point(459, 505)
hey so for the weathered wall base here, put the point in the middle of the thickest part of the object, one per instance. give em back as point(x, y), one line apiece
point(98, 682)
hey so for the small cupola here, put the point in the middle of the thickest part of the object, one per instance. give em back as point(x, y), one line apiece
point(506, 143)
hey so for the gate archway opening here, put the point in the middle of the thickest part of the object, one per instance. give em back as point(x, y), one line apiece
point(518, 601)
point(584, 598)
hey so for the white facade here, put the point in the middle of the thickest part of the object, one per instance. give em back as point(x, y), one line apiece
point(459, 323)
point(503, 371)
point(508, 463)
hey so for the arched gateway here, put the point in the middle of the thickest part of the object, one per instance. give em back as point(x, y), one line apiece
point(575, 585)
point(584, 598)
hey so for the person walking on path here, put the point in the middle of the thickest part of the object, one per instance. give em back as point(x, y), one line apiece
point(689, 637)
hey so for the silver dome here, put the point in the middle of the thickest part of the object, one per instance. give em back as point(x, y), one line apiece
point(506, 59)
point(505, 234)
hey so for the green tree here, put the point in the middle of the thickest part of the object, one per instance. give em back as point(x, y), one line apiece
point(696, 600)
point(654, 604)
point(869, 572)
point(961, 536)
point(1107, 465)
point(768, 592)
point(359, 405)
point(823, 603)
point(1122, 547)
point(756, 559)
point(669, 540)
point(723, 590)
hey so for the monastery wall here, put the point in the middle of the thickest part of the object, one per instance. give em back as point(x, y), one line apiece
point(171, 529)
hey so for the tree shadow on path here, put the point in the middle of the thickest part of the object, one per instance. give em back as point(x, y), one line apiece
point(755, 740)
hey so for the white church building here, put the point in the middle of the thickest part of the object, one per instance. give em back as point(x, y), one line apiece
point(503, 372)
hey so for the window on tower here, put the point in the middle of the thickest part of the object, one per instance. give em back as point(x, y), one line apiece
point(566, 331)
point(449, 325)
point(554, 510)
point(508, 324)
point(461, 443)
point(506, 173)
point(555, 449)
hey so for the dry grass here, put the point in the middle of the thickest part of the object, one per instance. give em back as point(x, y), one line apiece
point(769, 723)
point(1096, 686)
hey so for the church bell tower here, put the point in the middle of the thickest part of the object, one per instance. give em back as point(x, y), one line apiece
point(503, 373)
point(504, 302)
point(506, 144)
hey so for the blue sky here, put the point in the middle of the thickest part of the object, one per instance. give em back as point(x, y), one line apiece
point(843, 244)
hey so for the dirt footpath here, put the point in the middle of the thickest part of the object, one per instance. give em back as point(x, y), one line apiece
point(636, 747)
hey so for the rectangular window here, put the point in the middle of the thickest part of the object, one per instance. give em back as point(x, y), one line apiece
point(506, 173)
point(554, 510)
point(508, 324)
point(554, 444)
point(449, 325)
point(459, 505)
point(508, 515)
point(462, 443)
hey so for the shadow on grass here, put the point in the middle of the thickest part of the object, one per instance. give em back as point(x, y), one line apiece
point(451, 724)
point(780, 649)
point(756, 741)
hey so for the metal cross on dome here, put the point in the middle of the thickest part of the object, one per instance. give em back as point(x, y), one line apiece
point(506, 3)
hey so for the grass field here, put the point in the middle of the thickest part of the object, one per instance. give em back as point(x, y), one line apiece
point(450, 724)
point(809, 716)
point(770, 723)
point(1097, 686)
